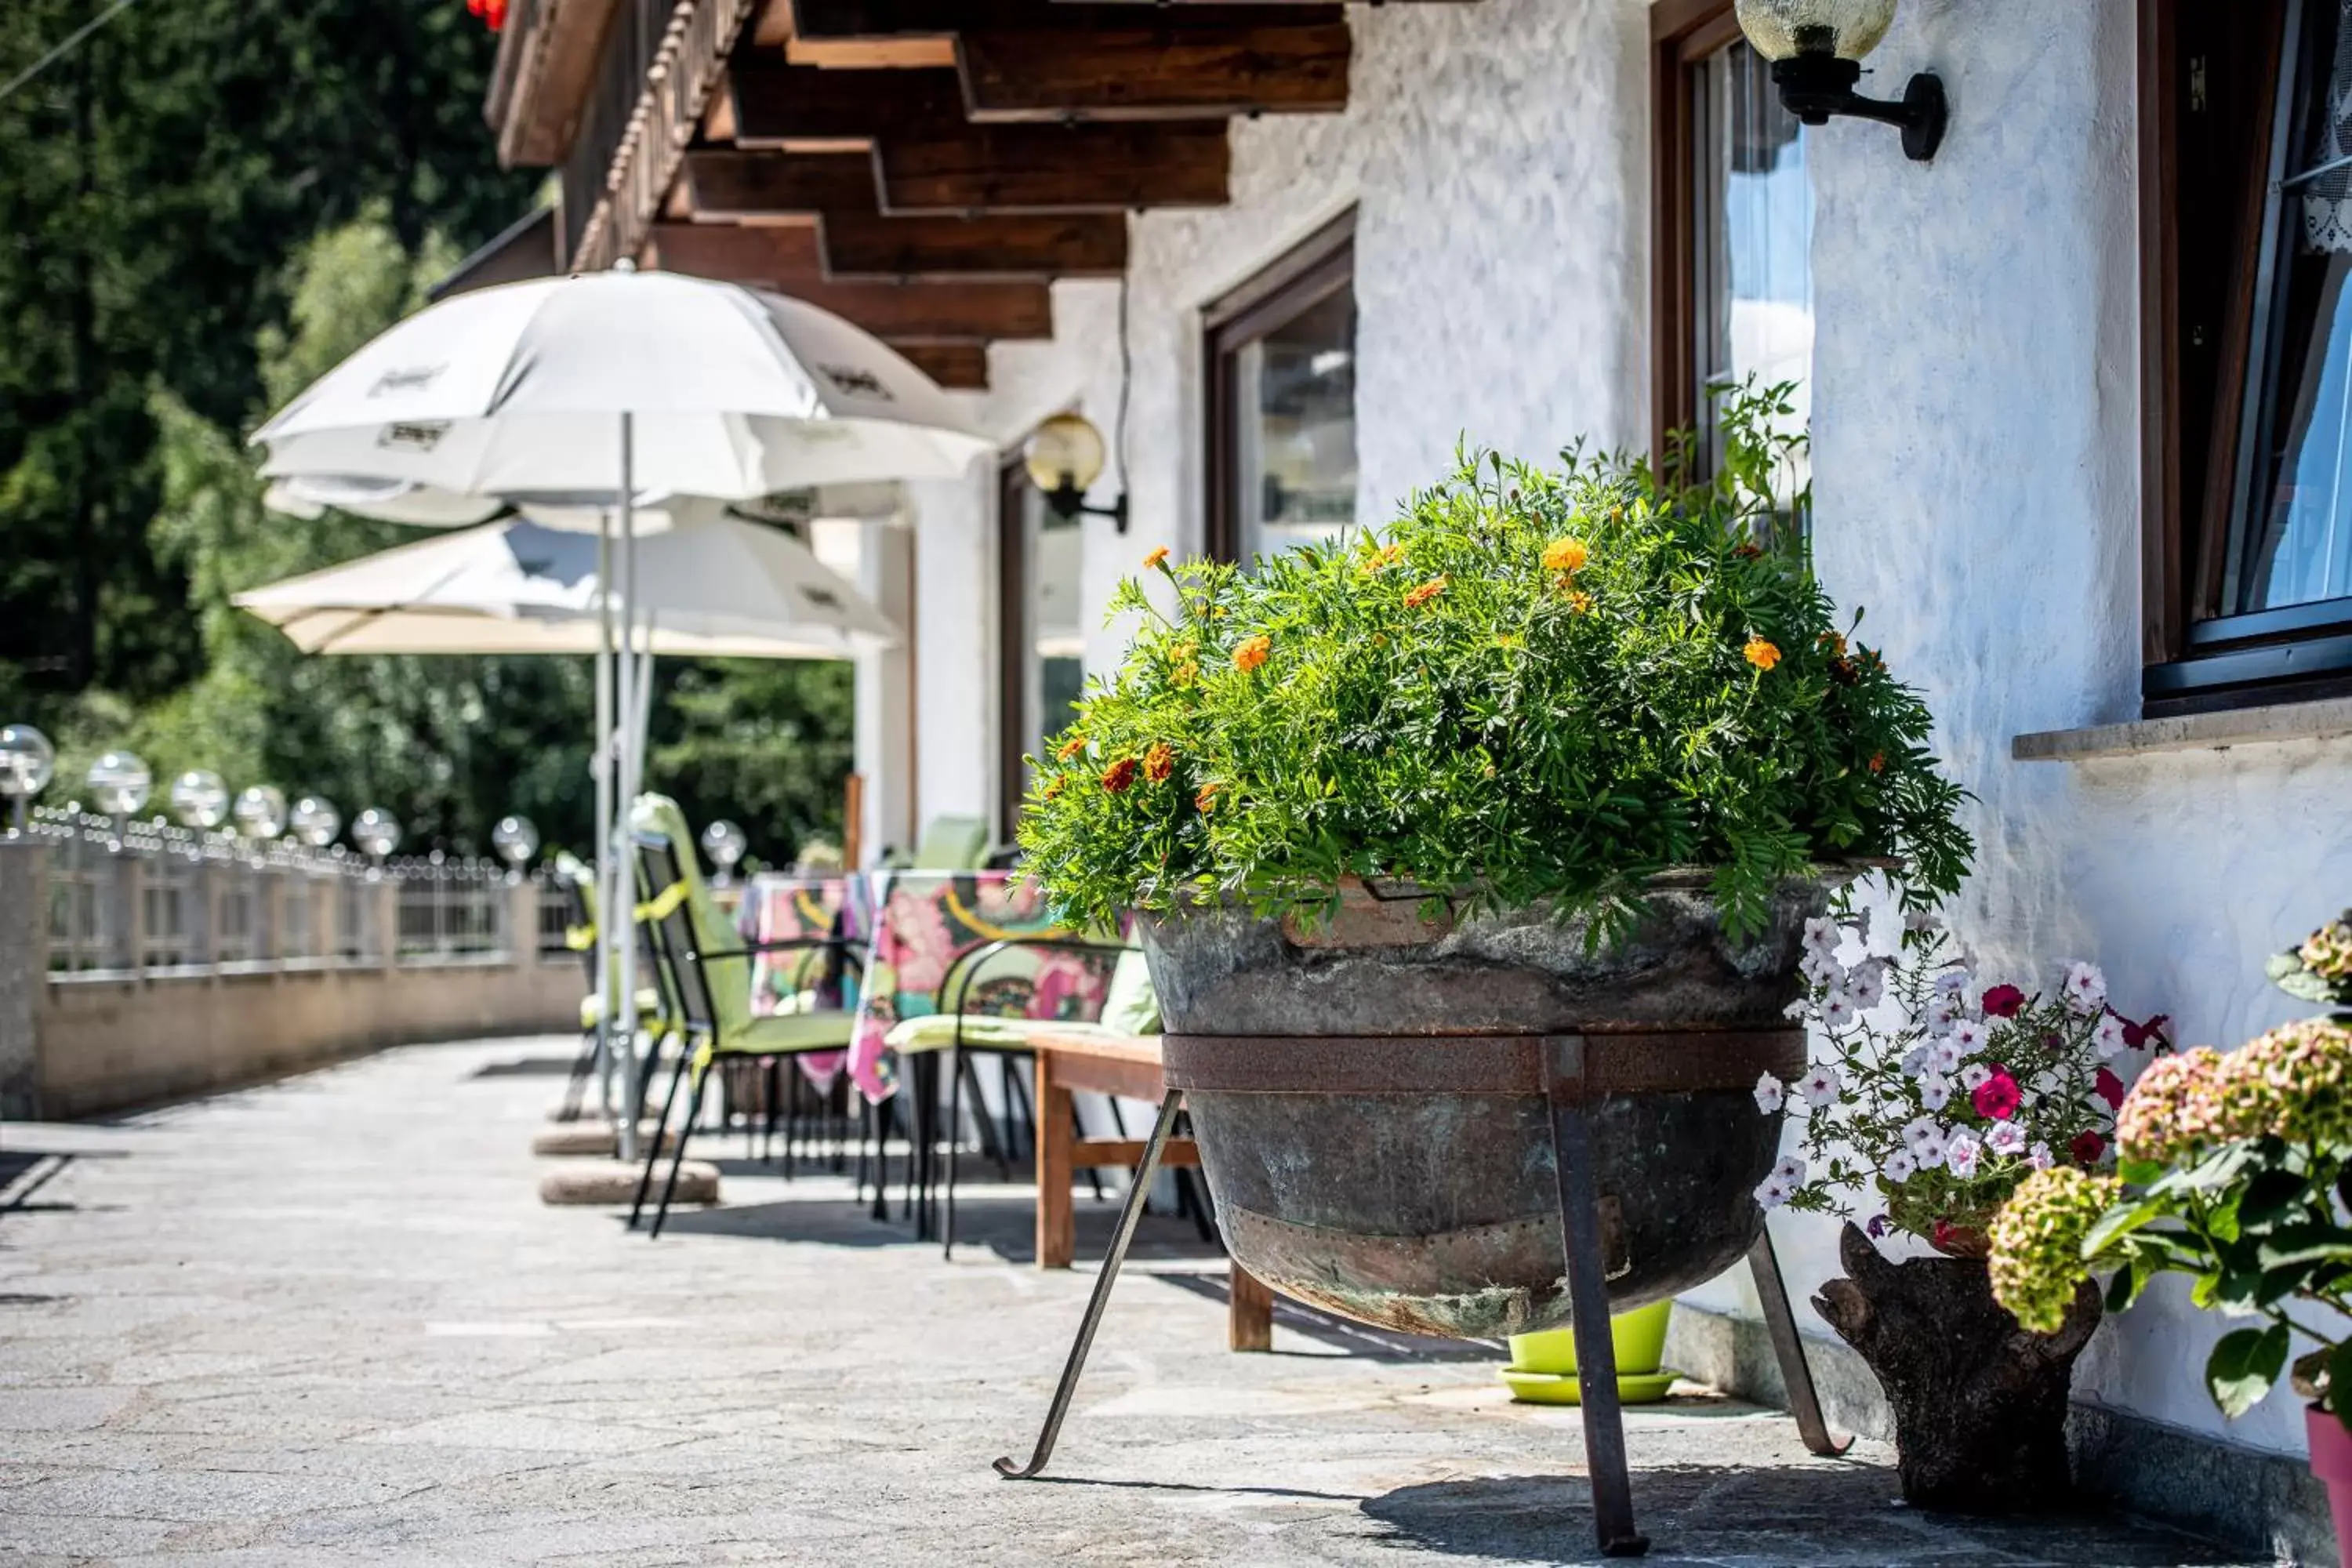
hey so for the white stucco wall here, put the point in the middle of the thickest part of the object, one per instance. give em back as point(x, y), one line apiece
point(1976, 423)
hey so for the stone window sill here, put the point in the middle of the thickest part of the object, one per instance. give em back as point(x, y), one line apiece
point(2323, 721)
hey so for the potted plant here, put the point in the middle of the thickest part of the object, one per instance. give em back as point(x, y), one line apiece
point(1933, 1101)
point(1527, 793)
point(2236, 1171)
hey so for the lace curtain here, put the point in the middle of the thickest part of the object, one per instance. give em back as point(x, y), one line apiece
point(2327, 202)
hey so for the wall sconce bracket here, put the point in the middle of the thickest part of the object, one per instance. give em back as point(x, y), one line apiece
point(1817, 88)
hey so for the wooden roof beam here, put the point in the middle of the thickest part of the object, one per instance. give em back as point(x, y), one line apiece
point(789, 262)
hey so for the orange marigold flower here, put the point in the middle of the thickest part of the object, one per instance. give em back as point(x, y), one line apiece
point(1156, 558)
point(1763, 654)
point(1119, 777)
point(1581, 603)
point(1159, 762)
point(1253, 652)
point(1748, 552)
point(1565, 555)
point(1185, 676)
point(1071, 747)
point(1417, 597)
point(1054, 787)
point(1835, 643)
point(1207, 801)
point(1878, 762)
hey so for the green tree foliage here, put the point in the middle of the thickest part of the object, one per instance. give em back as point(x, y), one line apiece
point(153, 184)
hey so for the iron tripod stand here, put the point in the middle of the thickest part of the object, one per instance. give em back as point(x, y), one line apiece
point(1588, 1288)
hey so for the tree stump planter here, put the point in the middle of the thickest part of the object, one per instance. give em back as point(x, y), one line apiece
point(1979, 1404)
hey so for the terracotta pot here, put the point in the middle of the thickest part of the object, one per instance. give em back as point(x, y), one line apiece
point(1369, 1095)
point(2331, 1461)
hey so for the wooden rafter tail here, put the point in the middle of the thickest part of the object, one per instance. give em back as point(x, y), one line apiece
point(789, 260)
point(1048, 169)
point(1052, 75)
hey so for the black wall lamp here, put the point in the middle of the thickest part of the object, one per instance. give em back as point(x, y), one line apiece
point(1064, 458)
point(1817, 48)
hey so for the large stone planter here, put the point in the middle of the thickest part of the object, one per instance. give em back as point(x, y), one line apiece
point(1375, 1099)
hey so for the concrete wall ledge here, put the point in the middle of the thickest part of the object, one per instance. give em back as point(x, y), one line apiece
point(2246, 1498)
point(2324, 721)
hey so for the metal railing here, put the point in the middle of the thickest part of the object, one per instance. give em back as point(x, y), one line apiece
point(147, 897)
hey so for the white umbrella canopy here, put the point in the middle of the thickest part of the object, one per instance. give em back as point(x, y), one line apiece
point(732, 393)
point(713, 585)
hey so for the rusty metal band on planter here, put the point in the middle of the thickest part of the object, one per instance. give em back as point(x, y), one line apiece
point(1650, 1062)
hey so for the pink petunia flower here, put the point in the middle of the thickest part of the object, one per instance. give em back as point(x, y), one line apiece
point(1997, 1097)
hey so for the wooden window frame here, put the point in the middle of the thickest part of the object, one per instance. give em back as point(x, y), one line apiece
point(2194, 659)
point(1300, 278)
point(1683, 34)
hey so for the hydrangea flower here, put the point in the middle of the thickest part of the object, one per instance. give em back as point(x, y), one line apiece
point(2037, 1244)
point(1770, 1094)
point(2086, 988)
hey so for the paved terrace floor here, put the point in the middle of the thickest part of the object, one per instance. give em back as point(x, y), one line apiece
point(327, 1321)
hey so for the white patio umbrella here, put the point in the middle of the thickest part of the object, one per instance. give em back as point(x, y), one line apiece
point(611, 383)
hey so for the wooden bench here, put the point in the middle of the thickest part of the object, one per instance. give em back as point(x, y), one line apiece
point(1129, 1068)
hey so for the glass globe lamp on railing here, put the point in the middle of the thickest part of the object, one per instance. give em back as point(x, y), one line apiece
point(27, 760)
point(516, 840)
point(377, 833)
point(315, 821)
point(260, 812)
point(119, 785)
point(724, 843)
point(199, 800)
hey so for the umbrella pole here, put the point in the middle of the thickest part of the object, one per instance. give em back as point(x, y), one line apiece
point(601, 761)
point(632, 1089)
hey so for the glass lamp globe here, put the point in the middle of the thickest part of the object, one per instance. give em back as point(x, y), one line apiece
point(724, 843)
point(199, 799)
point(260, 811)
point(315, 821)
point(376, 831)
point(119, 783)
point(1783, 29)
point(1064, 453)
point(515, 839)
point(27, 760)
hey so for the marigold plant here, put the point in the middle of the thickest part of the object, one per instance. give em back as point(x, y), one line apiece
point(1536, 686)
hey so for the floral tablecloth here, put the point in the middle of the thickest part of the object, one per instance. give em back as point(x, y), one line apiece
point(923, 921)
point(781, 907)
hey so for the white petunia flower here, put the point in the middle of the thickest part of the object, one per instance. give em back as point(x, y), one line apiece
point(2086, 988)
point(1944, 1055)
point(2109, 1037)
point(1900, 1167)
point(1821, 970)
point(1821, 1087)
point(1944, 1015)
point(1935, 1090)
point(2039, 1157)
point(1838, 1011)
point(1791, 1170)
point(1970, 1035)
point(1866, 983)
point(1915, 1061)
point(1823, 936)
point(1952, 983)
point(1916, 1129)
point(1961, 1153)
point(1930, 1149)
point(1919, 923)
point(2005, 1138)
point(1796, 1009)
point(1770, 1094)
point(1974, 1074)
point(1772, 1192)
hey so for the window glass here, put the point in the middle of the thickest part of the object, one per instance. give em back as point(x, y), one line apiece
point(1294, 448)
point(1753, 254)
point(1042, 647)
point(2292, 535)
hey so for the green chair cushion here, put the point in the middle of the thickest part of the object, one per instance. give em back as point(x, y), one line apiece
point(953, 844)
point(937, 1032)
point(1130, 1006)
point(790, 1034)
point(592, 1009)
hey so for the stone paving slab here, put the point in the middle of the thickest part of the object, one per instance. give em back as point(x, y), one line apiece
point(328, 1321)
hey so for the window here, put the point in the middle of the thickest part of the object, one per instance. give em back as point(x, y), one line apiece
point(1040, 659)
point(1281, 379)
point(2246, 160)
point(1735, 214)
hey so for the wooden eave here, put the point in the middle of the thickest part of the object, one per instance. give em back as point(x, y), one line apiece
point(928, 167)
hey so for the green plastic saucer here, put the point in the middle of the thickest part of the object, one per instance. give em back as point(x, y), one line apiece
point(1559, 1389)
